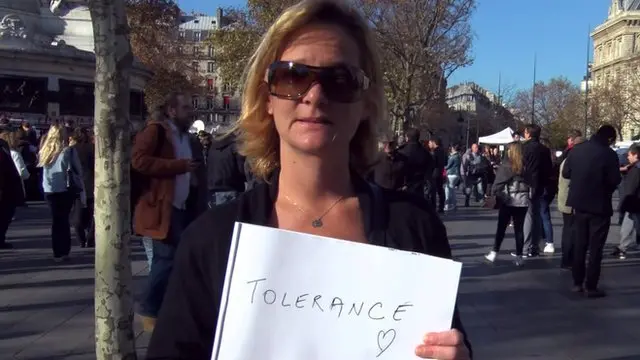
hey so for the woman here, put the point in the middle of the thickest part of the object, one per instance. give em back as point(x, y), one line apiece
point(313, 99)
point(60, 173)
point(453, 178)
point(567, 215)
point(512, 196)
point(83, 222)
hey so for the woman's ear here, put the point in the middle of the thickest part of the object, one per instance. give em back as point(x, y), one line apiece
point(265, 92)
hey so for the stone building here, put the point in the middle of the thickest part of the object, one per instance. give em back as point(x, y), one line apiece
point(216, 106)
point(478, 112)
point(616, 45)
point(47, 64)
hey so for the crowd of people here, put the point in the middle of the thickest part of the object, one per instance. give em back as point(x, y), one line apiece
point(522, 183)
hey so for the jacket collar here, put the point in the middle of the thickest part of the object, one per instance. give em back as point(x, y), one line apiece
point(258, 207)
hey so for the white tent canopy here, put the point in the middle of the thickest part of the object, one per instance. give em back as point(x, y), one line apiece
point(500, 138)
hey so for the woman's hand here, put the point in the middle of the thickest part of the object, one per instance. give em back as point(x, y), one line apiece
point(446, 345)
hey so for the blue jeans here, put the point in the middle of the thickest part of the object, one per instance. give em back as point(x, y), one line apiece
point(473, 185)
point(545, 217)
point(450, 192)
point(161, 265)
point(147, 242)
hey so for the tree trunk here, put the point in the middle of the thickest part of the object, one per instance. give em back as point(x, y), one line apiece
point(113, 298)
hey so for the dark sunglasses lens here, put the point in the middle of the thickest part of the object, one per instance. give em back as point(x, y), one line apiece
point(340, 84)
point(290, 82)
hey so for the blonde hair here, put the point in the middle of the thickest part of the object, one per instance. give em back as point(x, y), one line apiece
point(515, 157)
point(258, 139)
point(52, 145)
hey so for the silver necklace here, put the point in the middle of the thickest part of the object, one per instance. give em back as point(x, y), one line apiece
point(317, 222)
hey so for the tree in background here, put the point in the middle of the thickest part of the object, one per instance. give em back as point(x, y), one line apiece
point(155, 42)
point(113, 279)
point(422, 43)
point(235, 43)
point(617, 103)
point(559, 107)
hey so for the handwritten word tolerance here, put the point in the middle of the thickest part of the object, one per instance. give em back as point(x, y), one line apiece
point(374, 310)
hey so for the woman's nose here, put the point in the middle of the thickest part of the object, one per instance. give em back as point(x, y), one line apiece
point(315, 95)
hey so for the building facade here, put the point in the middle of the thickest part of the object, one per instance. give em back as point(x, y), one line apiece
point(215, 106)
point(616, 55)
point(47, 66)
point(478, 112)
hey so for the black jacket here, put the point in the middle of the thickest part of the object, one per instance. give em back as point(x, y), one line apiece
point(388, 173)
point(593, 170)
point(187, 323)
point(11, 193)
point(225, 167)
point(630, 191)
point(439, 162)
point(537, 166)
point(86, 155)
point(418, 166)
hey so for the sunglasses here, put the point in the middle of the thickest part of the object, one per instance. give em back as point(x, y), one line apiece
point(292, 81)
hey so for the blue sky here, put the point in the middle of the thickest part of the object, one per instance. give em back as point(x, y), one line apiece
point(508, 33)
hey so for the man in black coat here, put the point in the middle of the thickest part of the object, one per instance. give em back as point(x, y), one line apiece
point(538, 166)
point(11, 193)
point(388, 171)
point(418, 166)
point(593, 170)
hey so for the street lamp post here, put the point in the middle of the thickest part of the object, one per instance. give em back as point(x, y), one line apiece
point(586, 83)
point(468, 129)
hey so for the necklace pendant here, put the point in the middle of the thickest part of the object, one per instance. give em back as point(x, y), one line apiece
point(317, 223)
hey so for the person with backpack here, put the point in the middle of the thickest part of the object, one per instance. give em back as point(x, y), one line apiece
point(474, 168)
point(512, 198)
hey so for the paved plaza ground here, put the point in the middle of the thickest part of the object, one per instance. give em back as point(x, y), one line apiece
point(46, 309)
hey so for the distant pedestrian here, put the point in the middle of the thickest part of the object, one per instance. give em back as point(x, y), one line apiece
point(11, 192)
point(61, 182)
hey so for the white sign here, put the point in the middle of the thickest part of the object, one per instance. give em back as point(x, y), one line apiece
point(292, 296)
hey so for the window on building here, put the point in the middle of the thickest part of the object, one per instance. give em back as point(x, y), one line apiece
point(224, 88)
point(194, 102)
point(211, 67)
point(210, 51)
point(196, 51)
point(226, 102)
point(197, 36)
point(195, 65)
point(181, 34)
point(210, 103)
point(210, 84)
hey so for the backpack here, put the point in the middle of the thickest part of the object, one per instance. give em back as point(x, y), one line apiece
point(480, 168)
point(140, 182)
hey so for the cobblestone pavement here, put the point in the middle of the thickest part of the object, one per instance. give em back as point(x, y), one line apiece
point(46, 309)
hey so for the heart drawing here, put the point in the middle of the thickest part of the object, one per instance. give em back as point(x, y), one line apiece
point(385, 339)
